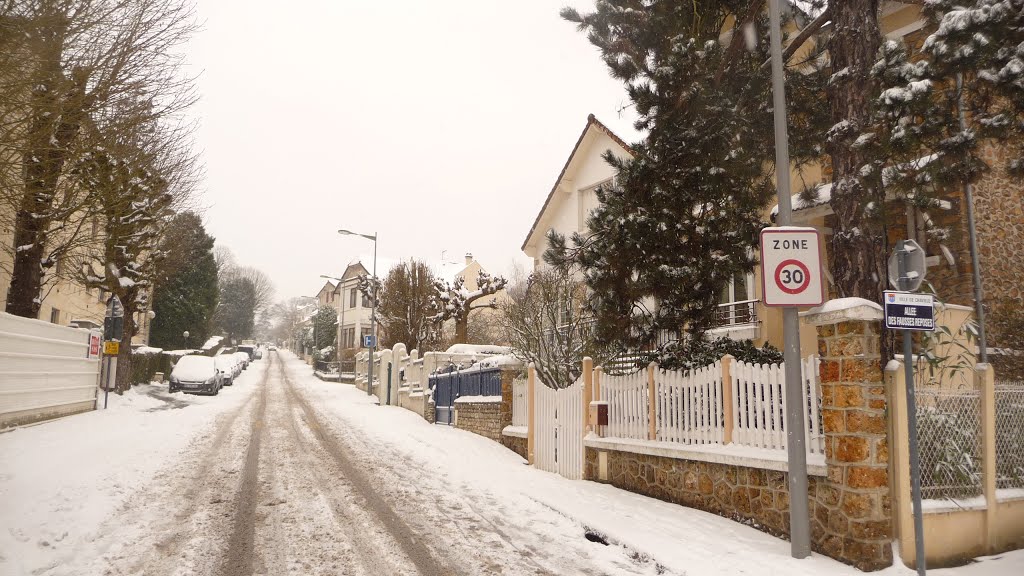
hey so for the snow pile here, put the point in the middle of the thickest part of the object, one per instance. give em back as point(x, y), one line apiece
point(147, 350)
point(194, 369)
point(478, 349)
point(501, 361)
point(477, 399)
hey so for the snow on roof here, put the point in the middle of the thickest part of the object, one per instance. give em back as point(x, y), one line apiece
point(212, 342)
point(447, 271)
point(841, 309)
point(824, 190)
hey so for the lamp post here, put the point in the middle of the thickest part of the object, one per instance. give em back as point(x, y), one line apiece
point(373, 309)
point(185, 334)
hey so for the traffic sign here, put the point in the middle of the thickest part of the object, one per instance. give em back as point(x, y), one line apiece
point(94, 345)
point(791, 272)
point(111, 348)
point(916, 263)
point(906, 311)
point(369, 341)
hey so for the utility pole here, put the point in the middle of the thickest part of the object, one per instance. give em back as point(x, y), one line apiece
point(799, 513)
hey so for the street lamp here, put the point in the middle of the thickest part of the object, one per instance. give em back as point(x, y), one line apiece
point(373, 309)
point(185, 334)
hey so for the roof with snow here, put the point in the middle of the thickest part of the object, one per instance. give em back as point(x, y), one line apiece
point(593, 124)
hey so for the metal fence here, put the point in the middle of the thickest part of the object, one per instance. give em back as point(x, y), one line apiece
point(347, 366)
point(949, 441)
point(454, 385)
point(1009, 407)
point(326, 367)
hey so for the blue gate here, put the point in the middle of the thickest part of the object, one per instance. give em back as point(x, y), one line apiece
point(448, 387)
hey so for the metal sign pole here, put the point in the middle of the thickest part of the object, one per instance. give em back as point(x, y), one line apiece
point(799, 512)
point(915, 464)
point(106, 379)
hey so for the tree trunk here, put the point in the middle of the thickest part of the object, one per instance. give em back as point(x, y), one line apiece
point(857, 243)
point(56, 120)
point(123, 380)
point(461, 329)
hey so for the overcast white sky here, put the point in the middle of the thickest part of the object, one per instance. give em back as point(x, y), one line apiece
point(439, 124)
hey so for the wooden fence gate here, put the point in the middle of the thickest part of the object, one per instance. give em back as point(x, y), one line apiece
point(559, 429)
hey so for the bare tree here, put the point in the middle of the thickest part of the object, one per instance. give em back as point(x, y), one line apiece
point(404, 308)
point(544, 321)
point(66, 65)
point(456, 302)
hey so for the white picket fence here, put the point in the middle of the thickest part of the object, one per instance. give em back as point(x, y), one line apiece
point(559, 429)
point(628, 405)
point(689, 407)
point(519, 399)
point(760, 405)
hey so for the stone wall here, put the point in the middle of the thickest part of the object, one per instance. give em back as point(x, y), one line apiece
point(850, 506)
point(752, 496)
point(483, 418)
point(515, 444)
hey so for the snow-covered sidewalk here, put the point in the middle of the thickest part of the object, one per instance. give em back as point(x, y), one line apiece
point(59, 480)
point(685, 541)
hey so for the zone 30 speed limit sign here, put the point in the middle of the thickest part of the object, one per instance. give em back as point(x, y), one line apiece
point(791, 267)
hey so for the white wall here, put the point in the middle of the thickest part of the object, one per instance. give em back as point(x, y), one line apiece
point(45, 371)
point(574, 198)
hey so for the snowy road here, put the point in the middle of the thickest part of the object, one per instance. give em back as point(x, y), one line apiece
point(284, 474)
point(274, 486)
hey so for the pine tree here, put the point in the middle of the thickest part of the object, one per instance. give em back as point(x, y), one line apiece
point(186, 288)
point(682, 217)
point(236, 310)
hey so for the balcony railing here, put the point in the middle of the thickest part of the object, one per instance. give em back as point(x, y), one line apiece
point(736, 313)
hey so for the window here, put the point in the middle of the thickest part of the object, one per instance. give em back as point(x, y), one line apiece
point(55, 316)
point(348, 338)
point(101, 296)
point(352, 298)
point(366, 301)
point(736, 303)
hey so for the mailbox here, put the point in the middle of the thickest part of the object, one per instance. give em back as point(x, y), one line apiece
point(599, 413)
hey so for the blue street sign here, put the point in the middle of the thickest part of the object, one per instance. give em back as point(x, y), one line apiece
point(909, 311)
point(369, 341)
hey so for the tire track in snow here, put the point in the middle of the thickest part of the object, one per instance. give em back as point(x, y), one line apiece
point(410, 543)
point(239, 555)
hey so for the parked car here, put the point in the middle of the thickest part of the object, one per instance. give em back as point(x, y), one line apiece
point(248, 349)
point(242, 358)
point(227, 365)
point(272, 348)
point(196, 374)
point(259, 354)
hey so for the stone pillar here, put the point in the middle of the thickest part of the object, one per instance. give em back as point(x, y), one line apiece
point(508, 376)
point(852, 519)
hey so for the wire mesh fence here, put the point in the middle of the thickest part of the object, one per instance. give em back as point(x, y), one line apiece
point(1009, 408)
point(949, 443)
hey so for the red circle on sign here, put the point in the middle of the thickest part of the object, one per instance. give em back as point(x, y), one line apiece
point(803, 285)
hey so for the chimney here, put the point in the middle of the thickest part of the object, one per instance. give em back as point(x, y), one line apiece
point(469, 258)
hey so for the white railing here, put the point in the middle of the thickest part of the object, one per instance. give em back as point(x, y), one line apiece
point(689, 406)
point(628, 405)
point(519, 402)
